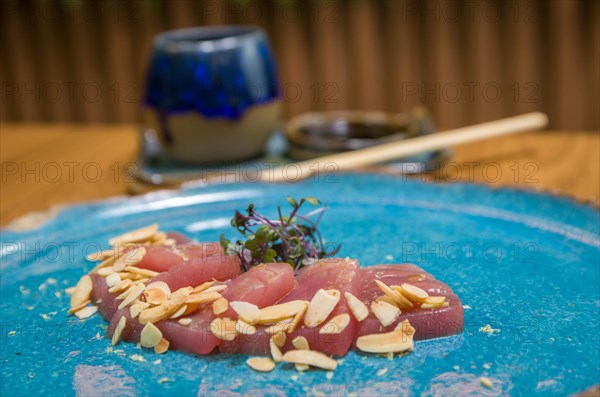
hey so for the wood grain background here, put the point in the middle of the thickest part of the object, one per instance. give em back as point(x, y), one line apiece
point(468, 61)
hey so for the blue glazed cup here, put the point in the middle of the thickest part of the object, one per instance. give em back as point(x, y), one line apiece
point(212, 93)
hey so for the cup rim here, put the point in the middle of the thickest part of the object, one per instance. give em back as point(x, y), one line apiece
point(206, 38)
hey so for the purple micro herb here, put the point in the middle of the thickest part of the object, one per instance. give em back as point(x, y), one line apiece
point(294, 238)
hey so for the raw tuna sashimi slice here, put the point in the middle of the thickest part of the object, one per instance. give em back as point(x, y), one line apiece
point(162, 258)
point(107, 304)
point(341, 274)
point(261, 285)
point(428, 323)
point(199, 269)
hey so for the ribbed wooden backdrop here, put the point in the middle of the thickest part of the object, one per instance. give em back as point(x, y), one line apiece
point(468, 61)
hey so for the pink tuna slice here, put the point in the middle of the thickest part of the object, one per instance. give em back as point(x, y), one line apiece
point(340, 274)
point(162, 258)
point(261, 285)
point(107, 304)
point(428, 323)
point(179, 238)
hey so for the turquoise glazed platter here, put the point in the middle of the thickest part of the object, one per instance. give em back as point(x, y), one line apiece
point(525, 265)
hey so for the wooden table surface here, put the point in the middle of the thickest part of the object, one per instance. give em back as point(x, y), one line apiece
point(47, 164)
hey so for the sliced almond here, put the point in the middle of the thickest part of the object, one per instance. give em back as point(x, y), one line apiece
point(336, 325)
point(310, 357)
point(434, 305)
point(107, 263)
point(162, 346)
point(412, 292)
point(385, 312)
point(275, 313)
point(321, 306)
point(78, 307)
point(282, 326)
point(297, 319)
point(157, 313)
point(405, 327)
point(359, 310)
point(275, 352)
point(116, 337)
point(86, 312)
point(132, 296)
point(246, 311)
point(100, 255)
point(82, 292)
point(261, 364)
point(120, 287)
point(141, 272)
point(400, 299)
point(204, 297)
point(112, 279)
point(106, 271)
point(150, 335)
point(390, 342)
point(300, 343)
point(179, 312)
point(135, 236)
point(220, 306)
point(279, 339)
point(185, 321)
point(136, 308)
point(130, 258)
point(70, 290)
point(157, 292)
point(125, 292)
point(387, 299)
point(435, 299)
point(203, 287)
point(243, 327)
point(224, 328)
point(216, 288)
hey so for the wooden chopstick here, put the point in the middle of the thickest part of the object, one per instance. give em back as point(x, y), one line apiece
point(410, 147)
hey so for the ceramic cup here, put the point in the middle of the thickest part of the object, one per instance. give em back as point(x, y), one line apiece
point(212, 93)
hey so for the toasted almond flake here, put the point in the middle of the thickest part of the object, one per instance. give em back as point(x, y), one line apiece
point(300, 343)
point(282, 326)
point(116, 337)
point(112, 279)
point(191, 308)
point(261, 364)
point(275, 313)
point(132, 296)
point(435, 300)
point(336, 325)
point(162, 346)
point(398, 298)
point(107, 263)
point(82, 292)
point(275, 352)
point(485, 382)
point(158, 238)
point(203, 287)
point(220, 306)
point(86, 312)
point(279, 339)
point(120, 287)
point(106, 271)
point(70, 290)
point(321, 306)
point(124, 294)
point(179, 312)
point(157, 313)
point(164, 380)
point(137, 357)
point(130, 258)
point(243, 327)
point(100, 255)
point(385, 312)
point(141, 272)
point(386, 299)
point(78, 307)
point(297, 319)
point(185, 321)
point(310, 357)
point(203, 297)
point(412, 292)
point(395, 342)
point(157, 293)
point(224, 328)
point(405, 327)
point(359, 310)
point(216, 288)
point(150, 335)
point(246, 311)
point(382, 372)
point(136, 308)
point(434, 305)
point(11, 333)
point(135, 236)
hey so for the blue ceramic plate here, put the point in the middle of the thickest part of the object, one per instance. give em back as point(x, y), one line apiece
point(525, 264)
